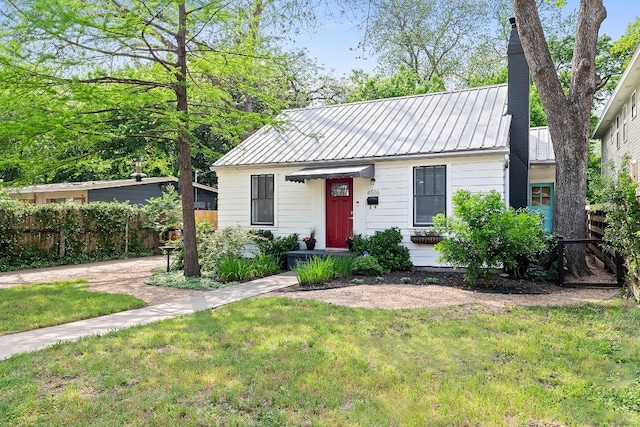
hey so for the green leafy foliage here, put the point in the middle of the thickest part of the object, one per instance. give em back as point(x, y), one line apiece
point(216, 245)
point(165, 212)
point(316, 270)
point(622, 233)
point(234, 269)
point(279, 246)
point(484, 233)
point(386, 246)
point(67, 233)
point(366, 265)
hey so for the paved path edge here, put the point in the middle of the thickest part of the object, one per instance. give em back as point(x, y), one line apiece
point(38, 339)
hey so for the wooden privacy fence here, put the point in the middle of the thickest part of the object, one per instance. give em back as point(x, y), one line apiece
point(207, 216)
point(31, 234)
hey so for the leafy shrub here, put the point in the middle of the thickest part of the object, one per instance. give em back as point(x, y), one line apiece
point(623, 222)
point(406, 280)
point(214, 245)
point(387, 247)
point(357, 281)
point(165, 212)
point(314, 271)
point(429, 280)
point(484, 233)
point(278, 247)
point(366, 265)
point(42, 235)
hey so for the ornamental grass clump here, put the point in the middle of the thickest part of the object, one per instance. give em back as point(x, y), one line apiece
point(315, 271)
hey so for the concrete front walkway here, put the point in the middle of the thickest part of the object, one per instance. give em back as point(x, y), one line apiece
point(40, 338)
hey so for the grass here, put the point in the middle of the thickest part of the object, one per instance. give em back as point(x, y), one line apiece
point(283, 362)
point(29, 307)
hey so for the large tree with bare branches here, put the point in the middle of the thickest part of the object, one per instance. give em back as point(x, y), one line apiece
point(567, 113)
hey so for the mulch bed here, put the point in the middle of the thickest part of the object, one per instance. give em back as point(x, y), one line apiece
point(452, 278)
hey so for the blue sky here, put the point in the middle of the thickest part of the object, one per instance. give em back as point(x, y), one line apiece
point(335, 45)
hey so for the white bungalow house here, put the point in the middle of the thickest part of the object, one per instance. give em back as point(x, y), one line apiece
point(619, 127)
point(361, 167)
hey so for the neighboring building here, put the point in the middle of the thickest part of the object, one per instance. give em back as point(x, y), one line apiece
point(619, 127)
point(133, 191)
point(362, 167)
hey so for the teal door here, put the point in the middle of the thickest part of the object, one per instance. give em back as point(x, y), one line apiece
point(541, 201)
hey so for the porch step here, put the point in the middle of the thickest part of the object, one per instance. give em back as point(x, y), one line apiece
point(304, 255)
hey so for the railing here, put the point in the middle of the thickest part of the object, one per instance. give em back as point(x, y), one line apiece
point(614, 263)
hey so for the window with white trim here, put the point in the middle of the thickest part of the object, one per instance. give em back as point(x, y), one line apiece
point(634, 110)
point(612, 134)
point(624, 123)
point(262, 200)
point(618, 131)
point(429, 193)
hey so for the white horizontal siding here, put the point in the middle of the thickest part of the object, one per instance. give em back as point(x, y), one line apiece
point(301, 207)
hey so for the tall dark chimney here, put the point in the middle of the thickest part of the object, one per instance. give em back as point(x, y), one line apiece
point(518, 107)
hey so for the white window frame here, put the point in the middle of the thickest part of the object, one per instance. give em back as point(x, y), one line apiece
point(416, 196)
point(618, 131)
point(624, 123)
point(255, 218)
point(634, 109)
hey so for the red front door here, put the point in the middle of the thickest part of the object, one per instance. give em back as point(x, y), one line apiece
point(339, 211)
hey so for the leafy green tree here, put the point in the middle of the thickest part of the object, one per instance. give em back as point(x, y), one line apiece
point(156, 66)
point(404, 82)
point(568, 113)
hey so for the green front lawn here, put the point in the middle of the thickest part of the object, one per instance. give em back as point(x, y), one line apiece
point(27, 307)
point(278, 362)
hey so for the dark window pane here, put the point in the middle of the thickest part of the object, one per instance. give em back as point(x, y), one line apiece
point(262, 199)
point(429, 195)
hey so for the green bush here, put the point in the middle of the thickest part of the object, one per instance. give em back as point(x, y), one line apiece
point(278, 247)
point(164, 213)
point(484, 233)
point(622, 233)
point(315, 271)
point(34, 236)
point(387, 247)
point(367, 265)
point(214, 245)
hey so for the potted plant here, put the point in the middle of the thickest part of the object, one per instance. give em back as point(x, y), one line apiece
point(310, 240)
point(349, 241)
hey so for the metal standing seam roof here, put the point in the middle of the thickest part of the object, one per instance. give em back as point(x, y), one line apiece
point(540, 146)
point(96, 185)
point(436, 123)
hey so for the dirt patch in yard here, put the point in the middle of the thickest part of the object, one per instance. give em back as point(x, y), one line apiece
point(445, 287)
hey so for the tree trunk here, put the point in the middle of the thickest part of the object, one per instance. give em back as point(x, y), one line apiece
point(568, 115)
point(571, 148)
point(191, 265)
